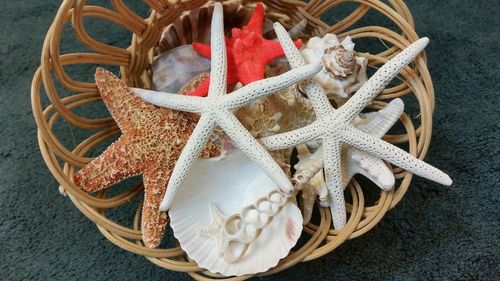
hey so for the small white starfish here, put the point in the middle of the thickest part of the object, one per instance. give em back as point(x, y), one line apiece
point(215, 229)
point(334, 128)
point(217, 109)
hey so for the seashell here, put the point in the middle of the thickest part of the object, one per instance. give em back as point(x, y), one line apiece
point(309, 164)
point(175, 68)
point(343, 72)
point(283, 111)
point(230, 217)
point(339, 61)
point(314, 187)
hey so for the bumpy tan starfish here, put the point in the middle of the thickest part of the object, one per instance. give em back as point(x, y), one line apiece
point(151, 143)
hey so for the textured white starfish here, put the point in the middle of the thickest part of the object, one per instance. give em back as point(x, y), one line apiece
point(217, 109)
point(355, 161)
point(215, 229)
point(308, 171)
point(334, 128)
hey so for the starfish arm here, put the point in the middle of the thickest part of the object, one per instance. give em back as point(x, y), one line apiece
point(218, 67)
point(251, 147)
point(189, 154)
point(172, 101)
point(116, 95)
point(155, 179)
point(319, 100)
point(372, 167)
point(333, 176)
point(268, 86)
point(382, 120)
point(393, 154)
point(379, 80)
point(314, 92)
point(292, 138)
point(112, 166)
point(250, 74)
point(291, 52)
point(256, 22)
point(202, 49)
point(235, 32)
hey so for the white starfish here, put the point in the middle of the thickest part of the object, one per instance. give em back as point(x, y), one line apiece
point(215, 229)
point(355, 161)
point(333, 127)
point(217, 109)
point(308, 171)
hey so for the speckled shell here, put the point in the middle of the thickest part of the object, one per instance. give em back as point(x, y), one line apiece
point(239, 183)
point(343, 72)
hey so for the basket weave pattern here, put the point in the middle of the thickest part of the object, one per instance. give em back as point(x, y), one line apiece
point(135, 62)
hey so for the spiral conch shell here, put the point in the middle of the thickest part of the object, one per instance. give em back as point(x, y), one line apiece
point(343, 72)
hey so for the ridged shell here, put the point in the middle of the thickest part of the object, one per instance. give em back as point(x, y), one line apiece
point(231, 185)
point(194, 25)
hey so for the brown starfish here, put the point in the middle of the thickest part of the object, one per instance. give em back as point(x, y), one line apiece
point(151, 143)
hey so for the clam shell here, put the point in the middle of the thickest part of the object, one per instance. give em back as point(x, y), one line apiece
point(231, 184)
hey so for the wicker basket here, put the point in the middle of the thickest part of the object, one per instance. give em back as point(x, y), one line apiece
point(67, 97)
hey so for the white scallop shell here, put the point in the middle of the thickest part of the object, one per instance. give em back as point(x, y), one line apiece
point(229, 186)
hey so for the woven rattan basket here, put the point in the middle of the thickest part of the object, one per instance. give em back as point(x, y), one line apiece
point(67, 97)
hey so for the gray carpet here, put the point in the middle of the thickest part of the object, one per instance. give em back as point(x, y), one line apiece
point(435, 233)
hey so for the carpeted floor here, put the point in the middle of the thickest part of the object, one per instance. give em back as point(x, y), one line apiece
point(435, 233)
